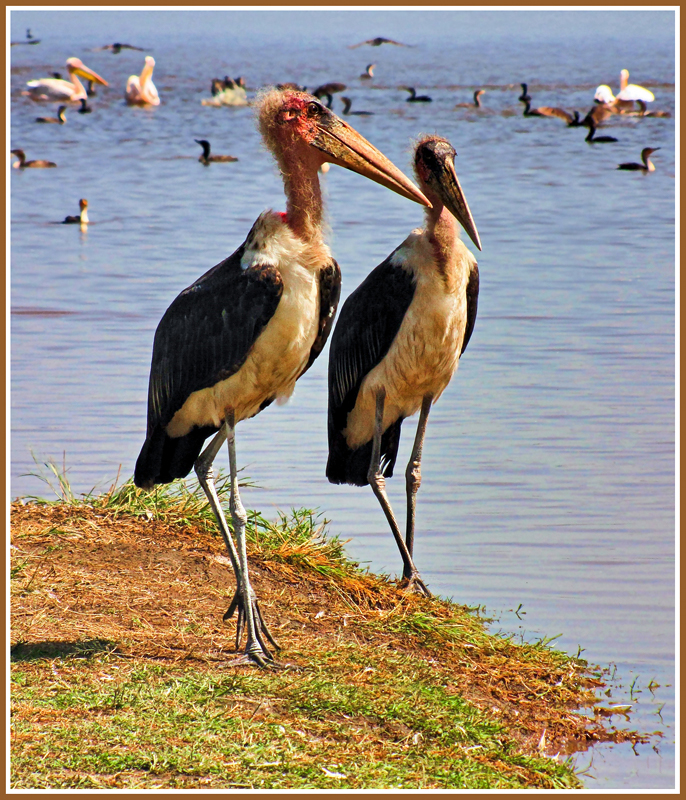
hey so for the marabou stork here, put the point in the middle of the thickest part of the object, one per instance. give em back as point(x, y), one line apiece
point(398, 341)
point(240, 336)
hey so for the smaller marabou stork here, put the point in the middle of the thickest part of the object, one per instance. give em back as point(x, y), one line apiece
point(398, 341)
point(240, 336)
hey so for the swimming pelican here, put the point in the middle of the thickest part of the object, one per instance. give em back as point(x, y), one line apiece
point(206, 158)
point(477, 100)
point(82, 217)
point(240, 336)
point(60, 91)
point(414, 97)
point(646, 166)
point(60, 119)
point(347, 102)
point(368, 73)
point(142, 91)
point(398, 342)
point(22, 162)
point(631, 91)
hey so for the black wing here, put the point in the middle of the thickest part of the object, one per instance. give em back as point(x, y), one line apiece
point(329, 295)
point(367, 325)
point(472, 302)
point(207, 332)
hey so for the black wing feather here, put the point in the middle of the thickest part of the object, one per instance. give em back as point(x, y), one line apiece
point(472, 302)
point(204, 337)
point(329, 295)
point(206, 333)
point(368, 323)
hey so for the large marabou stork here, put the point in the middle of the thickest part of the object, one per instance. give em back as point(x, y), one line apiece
point(240, 336)
point(398, 341)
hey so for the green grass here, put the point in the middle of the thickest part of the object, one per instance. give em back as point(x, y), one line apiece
point(112, 723)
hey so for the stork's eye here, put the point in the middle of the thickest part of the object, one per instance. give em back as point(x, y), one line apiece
point(314, 109)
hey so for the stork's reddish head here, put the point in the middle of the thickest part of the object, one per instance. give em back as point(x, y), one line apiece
point(297, 128)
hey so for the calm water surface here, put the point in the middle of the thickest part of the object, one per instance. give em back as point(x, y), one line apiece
point(549, 466)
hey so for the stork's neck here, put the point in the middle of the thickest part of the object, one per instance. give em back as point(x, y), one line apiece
point(304, 200)
point(441, 228)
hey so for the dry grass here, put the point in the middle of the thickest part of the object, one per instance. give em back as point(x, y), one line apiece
point(120, 583)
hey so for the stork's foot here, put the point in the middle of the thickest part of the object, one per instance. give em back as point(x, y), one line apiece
point(256, 658)
point(261, 629)
point(414, 585)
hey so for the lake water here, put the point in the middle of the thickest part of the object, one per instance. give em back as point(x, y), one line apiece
point(549, 464)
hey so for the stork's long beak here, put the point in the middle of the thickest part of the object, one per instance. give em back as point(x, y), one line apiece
point(449, 190)
point(346, 147)
point(86, 72)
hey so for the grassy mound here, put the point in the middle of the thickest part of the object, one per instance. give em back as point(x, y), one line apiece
point(121, 672)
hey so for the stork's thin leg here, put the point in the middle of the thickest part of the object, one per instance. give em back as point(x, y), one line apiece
point(378, 484)
point(205, 473)
point(413, 474)
point(256, 651)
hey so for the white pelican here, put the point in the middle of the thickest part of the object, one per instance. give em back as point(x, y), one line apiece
point(57, 90)
point(398, 341)
point(142, 91)
point(241, 335)
point(628, 93)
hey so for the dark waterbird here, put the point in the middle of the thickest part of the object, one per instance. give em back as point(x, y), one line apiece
point(377, 42)
point(591, 138)
point(82, 217)
point(398, 341)
point(477, 100)
point(117, 47)
point(85, 108)
point(22, 163)
point(206, 158)
point(60, 119)
point(646, 165)
point(347, 103)
point(414, 97)
point(240, 336)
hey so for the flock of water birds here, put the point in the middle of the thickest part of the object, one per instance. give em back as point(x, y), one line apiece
point(241, 335)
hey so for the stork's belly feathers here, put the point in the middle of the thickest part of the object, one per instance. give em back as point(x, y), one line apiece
point(280, 352)
point(423, 357)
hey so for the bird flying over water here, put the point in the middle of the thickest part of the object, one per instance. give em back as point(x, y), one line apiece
point(378, 42)
point(116, 48)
